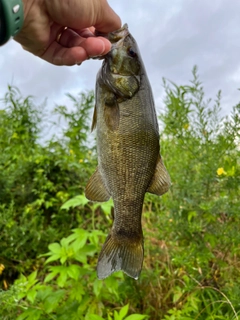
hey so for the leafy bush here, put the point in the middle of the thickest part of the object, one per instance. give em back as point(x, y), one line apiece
point(191, 266)
point(36, 179)
point(70, 288)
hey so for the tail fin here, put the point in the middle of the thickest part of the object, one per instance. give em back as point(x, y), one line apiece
point(116, 255)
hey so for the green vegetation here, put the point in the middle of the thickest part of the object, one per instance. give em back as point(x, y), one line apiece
point(50, 235)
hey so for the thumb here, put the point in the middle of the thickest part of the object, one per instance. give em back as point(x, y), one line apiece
point(107, 19)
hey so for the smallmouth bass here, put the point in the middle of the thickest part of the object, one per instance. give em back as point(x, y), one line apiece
point(129, 161)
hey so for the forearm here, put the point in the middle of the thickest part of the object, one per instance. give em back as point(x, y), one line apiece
point(34, 35)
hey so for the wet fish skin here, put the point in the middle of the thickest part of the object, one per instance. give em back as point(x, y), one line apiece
point(129, 162)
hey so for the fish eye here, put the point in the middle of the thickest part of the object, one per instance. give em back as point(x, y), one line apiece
point(131, 52)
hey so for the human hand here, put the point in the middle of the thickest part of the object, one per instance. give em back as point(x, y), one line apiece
point(43, 32)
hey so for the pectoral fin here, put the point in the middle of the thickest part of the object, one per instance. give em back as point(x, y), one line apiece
point(95, 189)
point(161, 180)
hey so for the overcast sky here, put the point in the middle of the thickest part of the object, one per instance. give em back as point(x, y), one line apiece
point(172, 36)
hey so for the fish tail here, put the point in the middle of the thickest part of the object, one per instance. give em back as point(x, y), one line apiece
point(120, 255)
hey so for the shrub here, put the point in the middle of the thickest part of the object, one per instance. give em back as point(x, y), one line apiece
point(191, 264)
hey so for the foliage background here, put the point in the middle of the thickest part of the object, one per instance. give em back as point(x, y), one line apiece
point(50, 235)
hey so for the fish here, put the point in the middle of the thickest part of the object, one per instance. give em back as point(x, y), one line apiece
point(128, 149)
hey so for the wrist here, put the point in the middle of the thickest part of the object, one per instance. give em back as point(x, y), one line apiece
point(11, 19)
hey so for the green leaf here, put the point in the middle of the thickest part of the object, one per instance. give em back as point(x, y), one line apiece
point(80, 238)
point(84, 304)
point(30, 314)
point(177, 294)
point(107, 206)
point(63, 259)
point(116, 315)
point(97, 287)
point(123, 312)
point(64, 242)
point(81, 255)
point(52, 301)
point(31, 295)
point(62, 270)
point(191, 214)
point(95, 317)
point(43, 292)
point(73, 271)
point(136, 317)
point(61, 280)
point(31, 278)
point(80, 200)
point(50, 276)
point(54, 257)
point(55, 248)
point(78, 290)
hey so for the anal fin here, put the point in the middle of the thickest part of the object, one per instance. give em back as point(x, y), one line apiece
point(161, 180)
point(95, 189)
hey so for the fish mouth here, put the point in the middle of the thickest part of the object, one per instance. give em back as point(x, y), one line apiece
point(116, 38)
point(116, 35)
point(119, 34)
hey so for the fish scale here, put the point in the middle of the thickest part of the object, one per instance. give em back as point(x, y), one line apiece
point(129, 161)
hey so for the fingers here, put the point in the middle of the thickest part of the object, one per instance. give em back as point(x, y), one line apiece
point(44, 35)
point(81, 14)
point(72, 38)
point(72, 48)
point(58, 55)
